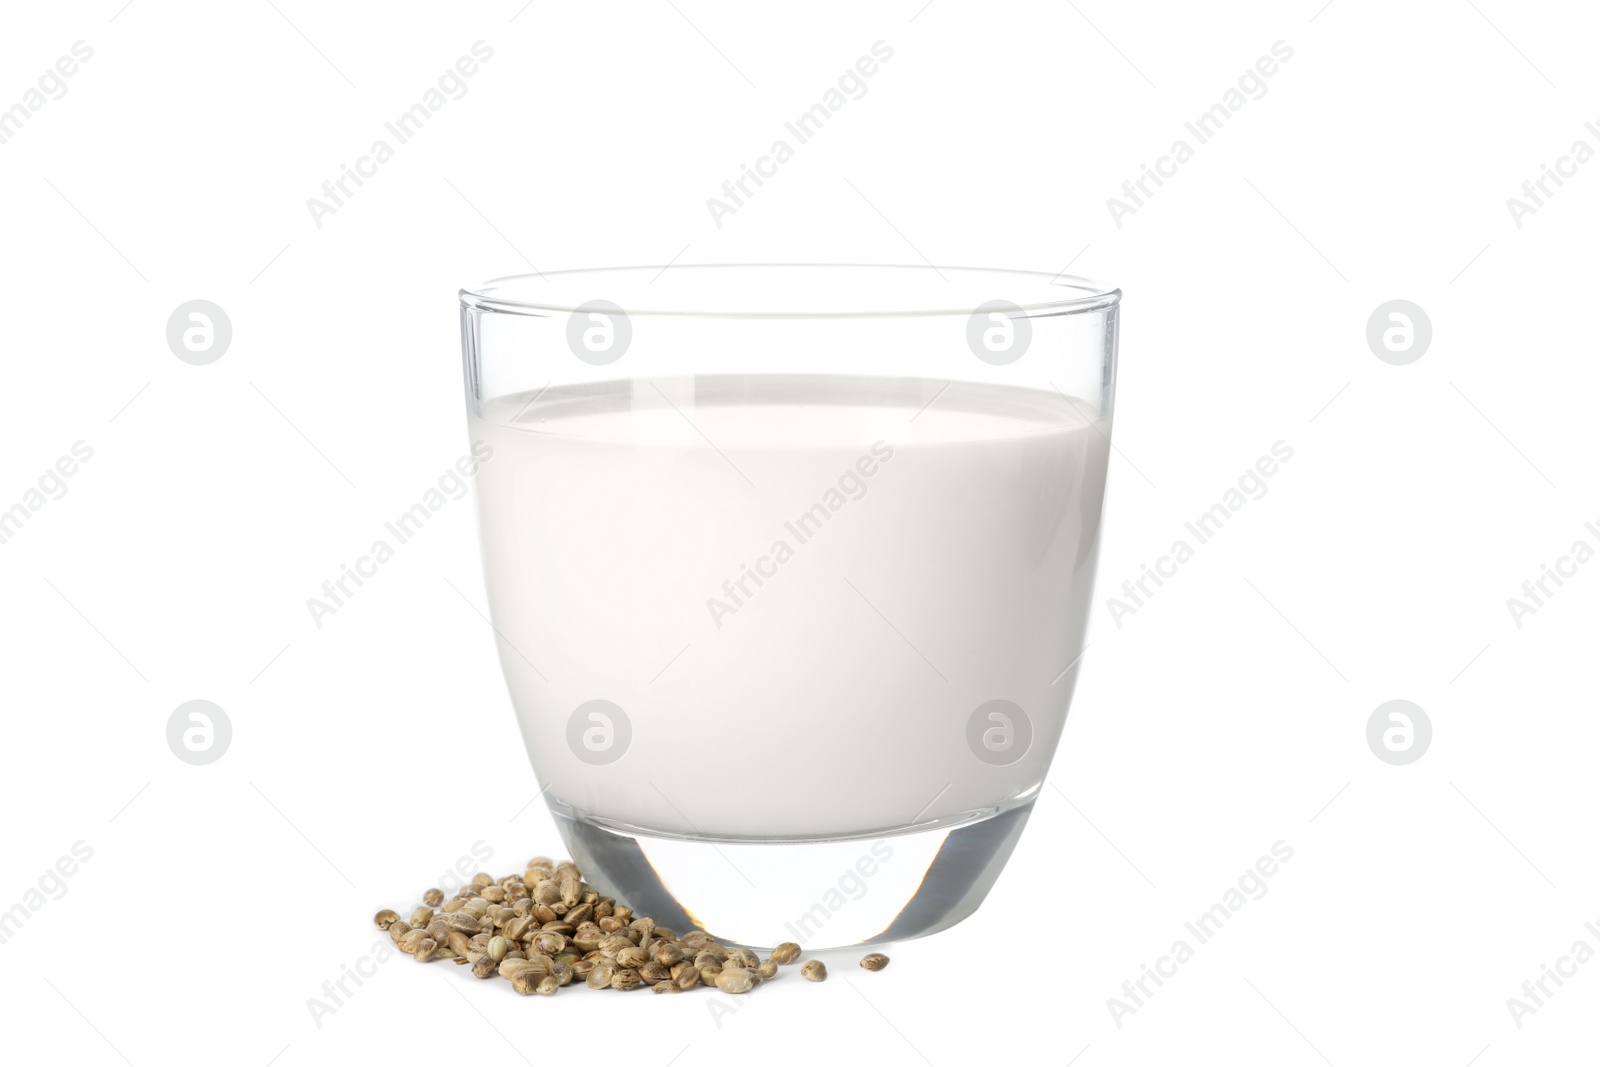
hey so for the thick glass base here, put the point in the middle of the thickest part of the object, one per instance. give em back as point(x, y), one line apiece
point(819, 893)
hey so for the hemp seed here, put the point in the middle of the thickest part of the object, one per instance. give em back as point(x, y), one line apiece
point(735, 980)
point(602, 974)
point(547, 928)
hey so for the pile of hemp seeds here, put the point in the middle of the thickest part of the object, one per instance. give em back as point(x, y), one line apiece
point(546, 928)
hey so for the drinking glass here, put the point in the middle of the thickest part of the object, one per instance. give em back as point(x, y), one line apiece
point(789, 568)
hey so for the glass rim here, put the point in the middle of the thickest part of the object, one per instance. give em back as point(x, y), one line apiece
point(541, 293)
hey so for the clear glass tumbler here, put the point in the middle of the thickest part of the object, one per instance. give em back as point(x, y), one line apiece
point(789, 568)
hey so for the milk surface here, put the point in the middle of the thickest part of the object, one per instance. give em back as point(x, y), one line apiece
point(797, 589)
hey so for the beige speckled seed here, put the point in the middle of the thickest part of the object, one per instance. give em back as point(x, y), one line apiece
point(510, 968)
point(735, 980)
point(600, 977)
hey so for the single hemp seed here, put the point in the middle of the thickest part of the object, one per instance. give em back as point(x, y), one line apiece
point(874, 961)
point(735, 980)
point(814, 971)
point(786, 953)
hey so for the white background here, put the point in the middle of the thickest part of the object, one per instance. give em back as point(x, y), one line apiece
point(1226, 715)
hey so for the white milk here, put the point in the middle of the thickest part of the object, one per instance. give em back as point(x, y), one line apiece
point(797, 589)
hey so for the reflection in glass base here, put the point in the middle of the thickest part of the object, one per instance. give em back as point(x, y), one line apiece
point(826, 893)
